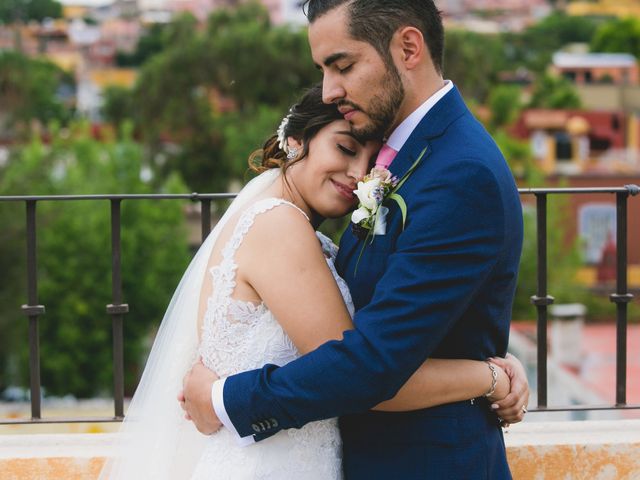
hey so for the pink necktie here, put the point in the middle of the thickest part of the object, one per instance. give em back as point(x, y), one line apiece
point(385, 156)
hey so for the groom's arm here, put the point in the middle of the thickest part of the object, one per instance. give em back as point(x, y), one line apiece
point(451, 243)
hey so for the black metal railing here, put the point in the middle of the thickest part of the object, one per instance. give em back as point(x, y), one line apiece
point(621, 297)
point(116, 309)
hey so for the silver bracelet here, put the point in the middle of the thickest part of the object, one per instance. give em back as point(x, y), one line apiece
point(494, 379)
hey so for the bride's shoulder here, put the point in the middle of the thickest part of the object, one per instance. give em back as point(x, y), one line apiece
point(275, 219)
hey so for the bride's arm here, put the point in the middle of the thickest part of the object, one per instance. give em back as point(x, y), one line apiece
point(282, 261)
point(440, 381)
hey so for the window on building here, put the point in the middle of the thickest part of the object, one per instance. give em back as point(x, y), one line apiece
point(596, 224)
point(615, 123)
point(563, 147)
point(588, 77)
point(599, 144)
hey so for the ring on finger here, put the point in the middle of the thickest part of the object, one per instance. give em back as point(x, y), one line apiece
point(524, 409)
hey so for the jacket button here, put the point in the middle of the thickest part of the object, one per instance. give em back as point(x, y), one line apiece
point(255, 427)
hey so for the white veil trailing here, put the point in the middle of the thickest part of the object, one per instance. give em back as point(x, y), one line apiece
point(155, 441)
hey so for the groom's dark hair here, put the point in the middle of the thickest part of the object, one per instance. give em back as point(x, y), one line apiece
point(375, 22)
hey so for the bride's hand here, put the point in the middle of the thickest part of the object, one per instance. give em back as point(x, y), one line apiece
point(513, 407)
point(195, 399)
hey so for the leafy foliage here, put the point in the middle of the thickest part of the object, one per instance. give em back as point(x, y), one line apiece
point(504, 103)
point(554, 92)
point(28, 90)
point(534, 47)
point(197, 100)
point(25, 10)
point(618, 36)
point(472, 61)
point(152, 42)
point(74, 257)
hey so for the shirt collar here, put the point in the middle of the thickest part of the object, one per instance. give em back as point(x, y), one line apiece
point(402, 132)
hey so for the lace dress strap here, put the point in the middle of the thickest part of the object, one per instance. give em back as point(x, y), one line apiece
point(246, 221)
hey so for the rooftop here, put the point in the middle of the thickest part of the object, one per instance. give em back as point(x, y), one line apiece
point(593, 60)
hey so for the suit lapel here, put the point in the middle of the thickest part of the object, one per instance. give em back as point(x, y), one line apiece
point(434, 123)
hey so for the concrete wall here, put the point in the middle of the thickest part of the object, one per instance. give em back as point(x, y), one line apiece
point(592, 450)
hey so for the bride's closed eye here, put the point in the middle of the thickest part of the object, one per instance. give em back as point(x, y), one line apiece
point(346, 150)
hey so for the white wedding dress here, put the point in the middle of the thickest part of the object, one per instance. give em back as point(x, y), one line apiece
point(239, 336)
point(155, 442)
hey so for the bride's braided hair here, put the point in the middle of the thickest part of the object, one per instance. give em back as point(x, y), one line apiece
point(305, 119)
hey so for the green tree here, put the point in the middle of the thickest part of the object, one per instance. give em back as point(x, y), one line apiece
point(117, 107)
point(504, 103)
point(201, 105)
point(28, 90)
point(472, 61)
point(534, 47)
point(14, 11)
point(19, 12)
point(151, 42)
point(554, 92)
point(74, 257)
point(618, 36)
point(518, 155)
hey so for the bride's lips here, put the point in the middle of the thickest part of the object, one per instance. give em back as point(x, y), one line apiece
point(343, 190)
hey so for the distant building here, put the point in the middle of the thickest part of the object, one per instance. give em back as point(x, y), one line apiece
point(603, 81)
point(200, 9)
point(589, 148)
point(124, 34)
point(587, 68)
point(572, 142)
point(280, 11)
point(605, 8)
point(285, 12)
point(493, 16)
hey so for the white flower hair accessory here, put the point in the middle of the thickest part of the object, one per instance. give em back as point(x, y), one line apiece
point(282, 138)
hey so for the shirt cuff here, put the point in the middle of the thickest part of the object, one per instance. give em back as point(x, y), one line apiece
point(217, 400)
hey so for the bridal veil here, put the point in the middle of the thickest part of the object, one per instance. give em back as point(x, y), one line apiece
point(155, 441)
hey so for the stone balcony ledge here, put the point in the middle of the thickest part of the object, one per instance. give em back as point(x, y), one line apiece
point(593, 450)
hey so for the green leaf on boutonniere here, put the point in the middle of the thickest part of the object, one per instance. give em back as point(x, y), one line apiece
point(410, 171)
point(403, 206)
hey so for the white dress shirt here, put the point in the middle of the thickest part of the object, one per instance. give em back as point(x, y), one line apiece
point(399, 137)
point(396, 141)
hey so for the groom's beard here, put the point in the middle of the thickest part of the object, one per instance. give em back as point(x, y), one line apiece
point(383, 107)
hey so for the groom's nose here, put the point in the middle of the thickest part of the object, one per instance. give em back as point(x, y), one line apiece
point(332, 90)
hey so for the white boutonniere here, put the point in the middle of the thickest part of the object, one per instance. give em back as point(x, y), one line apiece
point(379, 186)
point(372, 191)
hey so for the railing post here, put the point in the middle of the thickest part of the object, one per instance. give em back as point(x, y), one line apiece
point(33, 310)
point(621, 298)
point(205, 217)
point(117, 310)
point(541, 300)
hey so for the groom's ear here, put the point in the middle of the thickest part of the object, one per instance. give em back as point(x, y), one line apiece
point(409, 43)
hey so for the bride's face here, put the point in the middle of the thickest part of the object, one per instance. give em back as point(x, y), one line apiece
point(327, 177)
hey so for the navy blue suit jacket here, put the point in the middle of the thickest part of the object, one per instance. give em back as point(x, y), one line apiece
point(441, 287)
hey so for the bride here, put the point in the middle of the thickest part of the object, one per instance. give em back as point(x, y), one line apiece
point(263, 289)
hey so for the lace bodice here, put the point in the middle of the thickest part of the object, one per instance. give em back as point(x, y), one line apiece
point(239, 336)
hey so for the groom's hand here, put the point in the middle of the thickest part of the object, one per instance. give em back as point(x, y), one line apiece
point(195, 398)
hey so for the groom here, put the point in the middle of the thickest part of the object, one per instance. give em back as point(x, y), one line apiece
point(441, 285)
